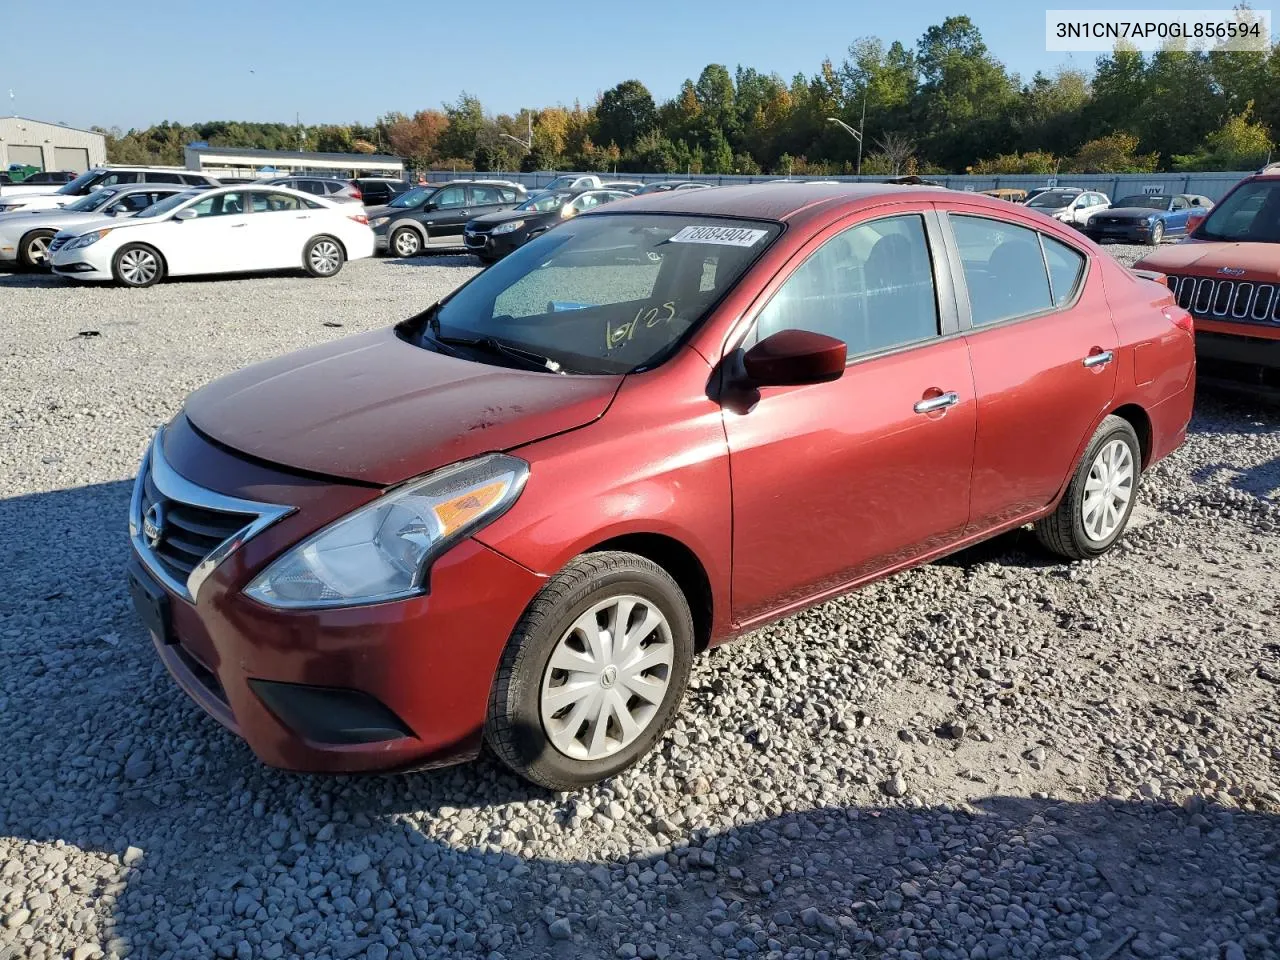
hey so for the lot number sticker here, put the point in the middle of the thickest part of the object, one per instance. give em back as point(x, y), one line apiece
point(723, 236)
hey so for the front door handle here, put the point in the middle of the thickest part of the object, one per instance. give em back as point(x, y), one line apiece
point(940, 402)
point(1098, 359)
point(236, 226)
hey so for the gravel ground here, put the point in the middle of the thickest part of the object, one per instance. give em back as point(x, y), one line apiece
point(994, 756)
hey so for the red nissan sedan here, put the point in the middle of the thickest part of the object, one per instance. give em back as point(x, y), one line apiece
point(519, 516)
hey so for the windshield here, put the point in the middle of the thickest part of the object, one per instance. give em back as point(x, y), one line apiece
point(413, 197)
point(80, 184)
point(545, 204)
point(607, 294)
point(162, 207)
point(1052, 199)
point(559, 183)
point(1249, 214)
point(93, 201)
point(1151, 203)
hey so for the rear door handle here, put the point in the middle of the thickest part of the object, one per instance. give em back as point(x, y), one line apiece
point(236, 226)
point(940, 402)
point(1098, 359)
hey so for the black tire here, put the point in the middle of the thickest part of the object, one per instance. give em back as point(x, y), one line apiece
point(137, 265)
point(514, 728)
point(1157, 234)
point(1063, 531)
point(33, 249)
point(405, 242)
point(323, 256)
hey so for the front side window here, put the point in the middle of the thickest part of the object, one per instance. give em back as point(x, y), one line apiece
point(450, 197)
point(870, 286)
point(1003, 269)
point(1249, 214)
point(161, 177)
point(220, 204)
point(607, 294)
point(118, 177)
point(161, 207)
point(132, 203)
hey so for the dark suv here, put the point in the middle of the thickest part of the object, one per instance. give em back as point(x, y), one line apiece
point(379, 190)
point(434, 215)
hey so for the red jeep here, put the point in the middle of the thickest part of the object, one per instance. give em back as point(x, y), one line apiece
point(1227, 273)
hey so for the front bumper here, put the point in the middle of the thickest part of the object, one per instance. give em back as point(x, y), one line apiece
point(1120, 233)
point(410, 677)
point(488, 247)
point(1239, 363)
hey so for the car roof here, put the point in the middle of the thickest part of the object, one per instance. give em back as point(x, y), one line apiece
point(778, 201)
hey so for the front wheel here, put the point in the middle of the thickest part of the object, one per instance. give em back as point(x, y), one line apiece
point(1157, 233)
point(593, 673)
point(137, 265)
point(33, 250)
point(323, 257)
point(1096, 508)
point(406, 242)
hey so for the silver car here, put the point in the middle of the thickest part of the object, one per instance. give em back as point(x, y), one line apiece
point(25, 236)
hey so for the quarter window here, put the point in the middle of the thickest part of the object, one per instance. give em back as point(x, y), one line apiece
point(871, 286)
point(1066, 267)
point(1003, 269)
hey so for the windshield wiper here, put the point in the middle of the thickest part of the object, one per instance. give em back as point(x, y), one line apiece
point(531, 360)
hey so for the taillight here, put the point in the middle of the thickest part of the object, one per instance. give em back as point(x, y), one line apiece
point(1180, 318)
point(355, 191)
point(358, 218)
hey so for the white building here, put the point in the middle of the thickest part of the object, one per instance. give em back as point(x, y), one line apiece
point(246, 162)
point(49, 146)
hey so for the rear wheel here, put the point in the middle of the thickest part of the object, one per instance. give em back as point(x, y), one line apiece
point(1157, 233)
point(137, 265)
point(323, 257)
point(406, 242)
point(33, 250)
point(593, 673)
point(1096, 508)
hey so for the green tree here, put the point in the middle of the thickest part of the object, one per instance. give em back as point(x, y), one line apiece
point(1114, 153)
point(465, 121)
point(625, 113)
point(1240, 144)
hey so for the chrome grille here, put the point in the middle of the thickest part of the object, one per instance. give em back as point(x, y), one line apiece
point(1242, 301)
point(182, 531)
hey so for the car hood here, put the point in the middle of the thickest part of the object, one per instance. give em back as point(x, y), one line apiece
point(1130, 213)
point(376, 409)
point(83, 222)
point(505, 216)
point(29, 219)
point(1258, 261)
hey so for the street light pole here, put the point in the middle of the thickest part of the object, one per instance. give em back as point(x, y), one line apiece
point(527, 144)
point(856, 134)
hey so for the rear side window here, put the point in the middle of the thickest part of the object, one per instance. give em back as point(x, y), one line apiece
point(1003, 269)
point(159, 177)
point(483, 195)
point(1066, 267)
point(871, 286)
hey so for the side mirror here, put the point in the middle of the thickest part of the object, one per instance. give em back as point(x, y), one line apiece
point(793, 357)
point(185, 214)
point(567, 211)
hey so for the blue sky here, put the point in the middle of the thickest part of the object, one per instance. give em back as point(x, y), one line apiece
point(236, 60)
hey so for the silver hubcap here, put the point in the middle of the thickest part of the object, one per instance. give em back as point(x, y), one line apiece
point(138, 266)
point(1107, 491)
point(38, 250)
point(607, 678)
point(325, 256)
point(406, 244)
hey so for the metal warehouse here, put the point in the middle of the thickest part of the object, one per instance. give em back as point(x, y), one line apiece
point(49, 146)
point(241, 161)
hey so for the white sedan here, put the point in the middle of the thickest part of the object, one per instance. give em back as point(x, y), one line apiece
point(224, 230)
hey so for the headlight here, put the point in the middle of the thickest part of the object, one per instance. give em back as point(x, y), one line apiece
point(382, 550)
point(1093, 222)
point(88, 239)
point(378, 221)
point(1152, 219)
point(509, 227)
